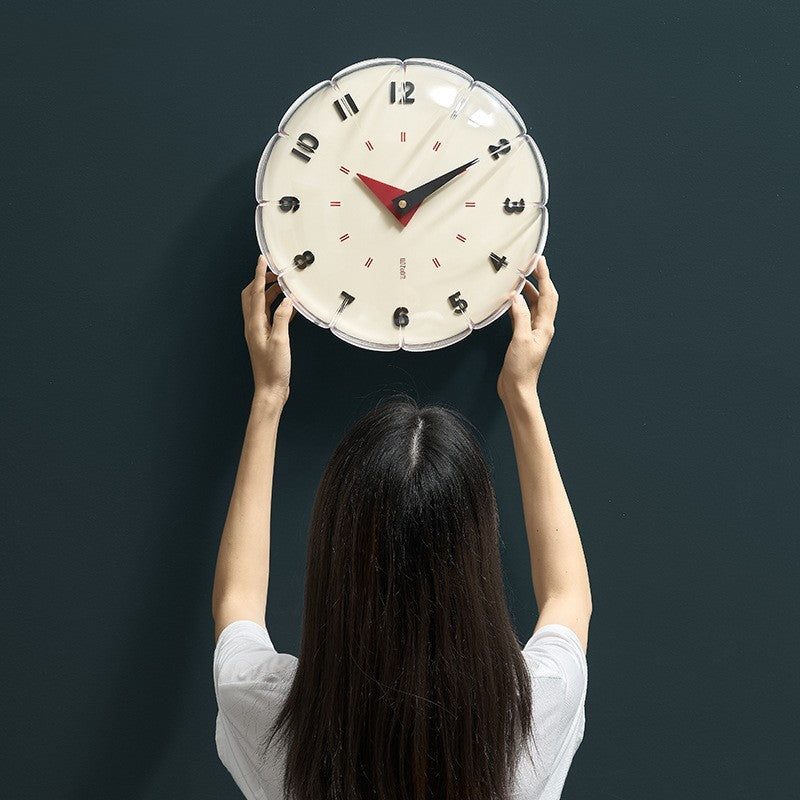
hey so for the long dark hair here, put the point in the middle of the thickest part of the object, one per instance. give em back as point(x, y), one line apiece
point(410, 683)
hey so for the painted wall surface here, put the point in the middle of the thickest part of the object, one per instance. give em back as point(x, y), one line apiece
point(130, 140)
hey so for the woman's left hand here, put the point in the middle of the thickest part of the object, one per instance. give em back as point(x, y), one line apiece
point(268, 339)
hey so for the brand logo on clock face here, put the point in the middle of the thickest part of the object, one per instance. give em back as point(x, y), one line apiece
point(411, 163)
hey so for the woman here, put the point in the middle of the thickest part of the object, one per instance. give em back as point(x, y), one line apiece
point(411, 682)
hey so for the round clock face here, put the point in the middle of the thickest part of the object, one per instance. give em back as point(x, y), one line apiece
point(401, 204)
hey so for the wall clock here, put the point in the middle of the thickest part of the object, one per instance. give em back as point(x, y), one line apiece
point(401, 204)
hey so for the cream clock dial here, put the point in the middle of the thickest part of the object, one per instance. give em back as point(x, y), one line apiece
point(401, 204)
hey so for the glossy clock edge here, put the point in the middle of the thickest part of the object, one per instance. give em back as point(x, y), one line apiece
point(506, 103)
point(363, 343)
point(367, 63)
point(262, 164)
point(542, 169)
point(441, 343)
point(318, 87)
point(433, 62)
point(541, 243)
point(262, 242)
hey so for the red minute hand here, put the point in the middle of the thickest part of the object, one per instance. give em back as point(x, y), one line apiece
point(385, 193)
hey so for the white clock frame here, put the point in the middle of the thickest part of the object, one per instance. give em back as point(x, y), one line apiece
point(493, 131)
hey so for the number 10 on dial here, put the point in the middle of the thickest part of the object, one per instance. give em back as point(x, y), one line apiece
point(401, 204)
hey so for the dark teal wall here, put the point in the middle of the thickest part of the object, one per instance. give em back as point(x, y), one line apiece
point(130, 138)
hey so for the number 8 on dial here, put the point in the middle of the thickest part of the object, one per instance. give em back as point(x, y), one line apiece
point(401, 204)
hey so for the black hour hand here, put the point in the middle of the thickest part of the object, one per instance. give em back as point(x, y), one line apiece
point(404, 203)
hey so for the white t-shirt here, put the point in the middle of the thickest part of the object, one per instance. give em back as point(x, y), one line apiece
point(252, 679)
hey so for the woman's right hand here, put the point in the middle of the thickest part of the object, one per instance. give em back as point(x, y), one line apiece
point(532, 330)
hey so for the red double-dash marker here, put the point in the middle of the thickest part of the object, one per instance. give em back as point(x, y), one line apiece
point(336, 202)
point(402, 136)
point(437, 145)
point(436, 261)
point(461, 238)
point(344, 236)
point(368, 143)
point(345, 170)
point(367, 262)
point(470, 204)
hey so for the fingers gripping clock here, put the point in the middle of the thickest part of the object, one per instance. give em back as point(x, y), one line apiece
point(401, 204)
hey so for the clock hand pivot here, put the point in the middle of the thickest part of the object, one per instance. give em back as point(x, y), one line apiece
point(385, 193)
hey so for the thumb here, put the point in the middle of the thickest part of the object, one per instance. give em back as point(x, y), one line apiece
point(520, 315)
point(281, 317)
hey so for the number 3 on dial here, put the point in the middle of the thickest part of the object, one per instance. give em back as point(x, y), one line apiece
point(408, 223)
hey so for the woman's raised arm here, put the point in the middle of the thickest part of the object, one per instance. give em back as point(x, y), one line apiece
point(558, 566)
point(242, 572)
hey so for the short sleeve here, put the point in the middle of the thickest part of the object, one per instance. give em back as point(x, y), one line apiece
point(251, 679)
point(245, 655)
point(558, 651)
point(560, 674)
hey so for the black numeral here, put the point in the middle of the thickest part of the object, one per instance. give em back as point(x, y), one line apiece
point(497, 261)
point(302, 260)
point(346, 107)
point(404, 95)
point(458, 303)
point(499, 149)
point(513, 208)
point(346, 300)
point(307, 144)
point(288, 203)
point(401, 317)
